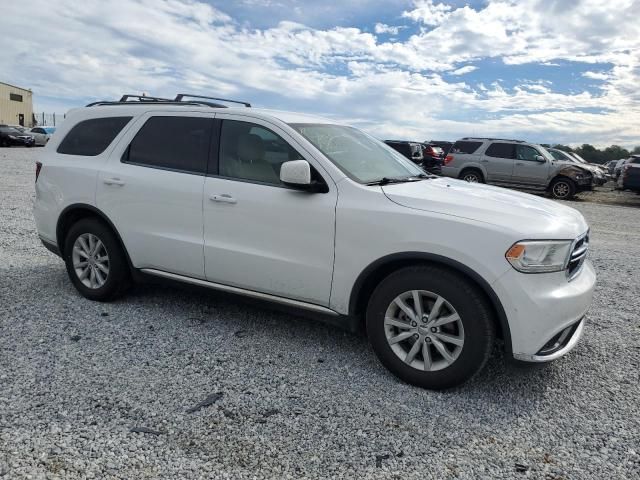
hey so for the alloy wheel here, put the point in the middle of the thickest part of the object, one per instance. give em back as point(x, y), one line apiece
point(424, 330)
point(90, 260)
point(561, 189)
point(471, 178)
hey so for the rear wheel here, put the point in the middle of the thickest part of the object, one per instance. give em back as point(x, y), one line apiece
point(95, 262)
point(472, 176)
point(562, 188)
point(430, 326)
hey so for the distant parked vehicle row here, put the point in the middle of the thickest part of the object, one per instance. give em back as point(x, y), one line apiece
point(517, 164)
point(426, 156)
point(17, 135)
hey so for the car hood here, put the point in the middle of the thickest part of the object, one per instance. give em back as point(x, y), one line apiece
point(581, 166)
point(526, 216)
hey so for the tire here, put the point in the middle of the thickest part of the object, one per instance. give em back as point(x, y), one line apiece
point(475, 327)
point(472, 175)
point(562, 188)
point(4, 143)
point(117, 278)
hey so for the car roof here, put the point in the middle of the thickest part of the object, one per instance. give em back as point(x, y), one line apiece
point(135, 109)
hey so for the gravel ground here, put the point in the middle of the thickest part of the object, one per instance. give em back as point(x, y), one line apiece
point(222, 389)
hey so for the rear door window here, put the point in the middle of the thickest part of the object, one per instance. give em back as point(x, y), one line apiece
point(501, 150)
point(92, 137)
point(465, 147)
point(172, 143)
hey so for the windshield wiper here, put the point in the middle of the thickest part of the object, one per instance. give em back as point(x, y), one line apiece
point(412, 178)
point(387, 180)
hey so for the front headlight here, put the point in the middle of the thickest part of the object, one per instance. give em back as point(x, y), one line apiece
point(12, 137)
point(539, 256)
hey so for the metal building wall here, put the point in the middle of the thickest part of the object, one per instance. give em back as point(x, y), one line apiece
point(10, 109)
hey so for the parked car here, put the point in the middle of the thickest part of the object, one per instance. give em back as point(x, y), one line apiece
point(599, 177)
point(411, 150)
point(316, 215)
point(41, 135)
point(517, 164)
point(610, 165)
point(10, 137)
point(444, 145)
point(416, 152)
point(618, 168)
point(629, 178)
point(432, 159)
point(599, 166)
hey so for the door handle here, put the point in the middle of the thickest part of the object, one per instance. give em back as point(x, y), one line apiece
point(519, 163)
point(113, 181)
point(484, 161)
point(222, 198)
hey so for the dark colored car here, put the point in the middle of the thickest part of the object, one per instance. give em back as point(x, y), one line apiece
point(10, 136)
point(433, 157)
point(629, 178)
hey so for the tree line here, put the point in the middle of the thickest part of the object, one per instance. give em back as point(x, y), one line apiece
point(594, 155)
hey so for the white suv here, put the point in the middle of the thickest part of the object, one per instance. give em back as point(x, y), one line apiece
point(316, 215)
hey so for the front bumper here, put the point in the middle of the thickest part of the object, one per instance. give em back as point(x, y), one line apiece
point(540, 307)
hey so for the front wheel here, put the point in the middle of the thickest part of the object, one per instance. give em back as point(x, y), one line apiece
point(430, 326)
point(562, 188)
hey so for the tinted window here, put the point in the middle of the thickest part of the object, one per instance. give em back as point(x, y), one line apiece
point(501, 150)
point(92, 137)
point(402, 148)
point(176, 143)
point(252, 152)
point(465, 147)
point(524, 152)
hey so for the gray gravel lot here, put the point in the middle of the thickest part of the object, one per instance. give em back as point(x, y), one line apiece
point(287, 397)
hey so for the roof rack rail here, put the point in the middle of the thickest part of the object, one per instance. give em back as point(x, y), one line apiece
point(491, 138)
point(179, 100)
point(144, 98)
point(180, 96)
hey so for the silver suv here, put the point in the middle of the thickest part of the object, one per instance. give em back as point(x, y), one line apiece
point(517, 164)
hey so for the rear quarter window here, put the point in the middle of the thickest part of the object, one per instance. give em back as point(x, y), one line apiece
point(465, 147)
point(92, 137)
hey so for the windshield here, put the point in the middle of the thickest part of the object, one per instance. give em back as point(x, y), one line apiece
point(10, 130)
point(545, 153)
point(578, 157)
point(49, 129)
point(360, 156)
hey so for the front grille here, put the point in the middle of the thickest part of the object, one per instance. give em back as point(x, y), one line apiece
point(578, 255)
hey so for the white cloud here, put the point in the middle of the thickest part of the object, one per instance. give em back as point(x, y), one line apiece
point(96, 50)
point(384, 28)
point(427, 12)
point(596, 75)
point(463, 70)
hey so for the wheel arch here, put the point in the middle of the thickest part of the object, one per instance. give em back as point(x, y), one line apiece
point(475, 167)
point(77, 211)
point(373, 274)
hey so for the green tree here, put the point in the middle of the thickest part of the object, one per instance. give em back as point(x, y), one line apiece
point(564, 148)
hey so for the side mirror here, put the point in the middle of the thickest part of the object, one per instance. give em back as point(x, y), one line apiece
point(540, 158)
point(296, 173)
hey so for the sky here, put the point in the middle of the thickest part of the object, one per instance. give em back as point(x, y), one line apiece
point(548, 71)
